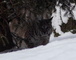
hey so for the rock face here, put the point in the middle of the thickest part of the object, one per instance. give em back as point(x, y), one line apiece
point(6, 41)
point(70, 26)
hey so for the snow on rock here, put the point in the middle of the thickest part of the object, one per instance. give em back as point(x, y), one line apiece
point(60, 48)
point(58, 18)
point(64, 18)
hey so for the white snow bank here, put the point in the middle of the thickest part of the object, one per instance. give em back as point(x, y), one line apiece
point(60, 48)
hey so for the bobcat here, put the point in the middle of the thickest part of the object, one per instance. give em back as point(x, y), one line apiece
point(34, 33)
point(39, 33)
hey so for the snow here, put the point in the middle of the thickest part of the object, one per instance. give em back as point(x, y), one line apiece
point(59, 48)
point(56, 20)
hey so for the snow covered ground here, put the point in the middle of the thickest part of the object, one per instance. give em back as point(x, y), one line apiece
point(59, 48)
